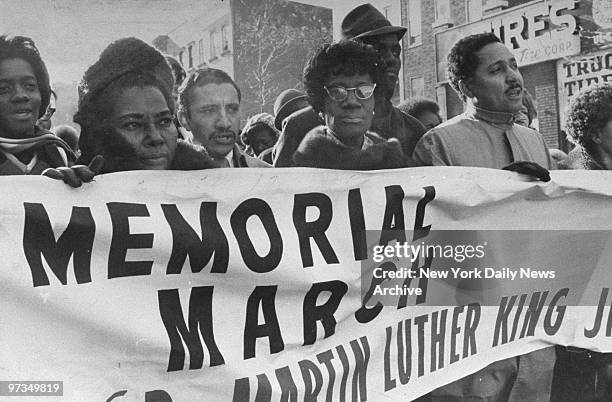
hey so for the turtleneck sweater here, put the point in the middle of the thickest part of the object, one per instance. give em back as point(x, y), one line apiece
point(481, 138)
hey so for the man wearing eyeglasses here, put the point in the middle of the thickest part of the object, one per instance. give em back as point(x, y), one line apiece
point(368, 25)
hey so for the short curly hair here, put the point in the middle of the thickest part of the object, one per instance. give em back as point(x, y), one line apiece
point(347, 57)
point(588, 112)
point(462, 59)
point(22, 47)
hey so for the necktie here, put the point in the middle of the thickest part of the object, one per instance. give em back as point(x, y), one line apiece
point(518, 150)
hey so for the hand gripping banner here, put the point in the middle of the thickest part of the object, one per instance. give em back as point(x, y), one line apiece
point(296, 284)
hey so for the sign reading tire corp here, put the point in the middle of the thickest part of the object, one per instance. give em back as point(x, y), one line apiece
point(581, 72)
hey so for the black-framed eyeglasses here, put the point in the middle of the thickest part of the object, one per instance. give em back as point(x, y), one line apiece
point(339, 93)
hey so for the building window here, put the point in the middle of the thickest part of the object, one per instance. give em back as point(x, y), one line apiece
point(190, 52)
point(473, 10)
point(225, 38)
point(201, 51)
point(180, 56)
point(417, 87)
point(442, 12)
point(214, 49)
point(414, 22)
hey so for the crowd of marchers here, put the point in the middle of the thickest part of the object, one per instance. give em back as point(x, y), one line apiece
point(139, 110)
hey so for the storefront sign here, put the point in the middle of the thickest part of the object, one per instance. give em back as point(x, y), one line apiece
point(540, 32)
point(535, 33)
point(581, 72)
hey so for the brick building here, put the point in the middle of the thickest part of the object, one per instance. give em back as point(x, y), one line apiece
point(560, 46)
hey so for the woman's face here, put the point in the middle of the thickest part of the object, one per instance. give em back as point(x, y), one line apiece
point(142, 117)
point(350, 118)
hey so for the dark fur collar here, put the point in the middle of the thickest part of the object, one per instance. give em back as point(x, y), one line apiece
point(190, 156)
point(119, 157)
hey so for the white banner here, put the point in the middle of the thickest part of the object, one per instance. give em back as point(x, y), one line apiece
point(245, 284)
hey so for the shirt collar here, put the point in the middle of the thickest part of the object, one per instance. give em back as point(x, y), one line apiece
point(497, 118)
point(230, 157)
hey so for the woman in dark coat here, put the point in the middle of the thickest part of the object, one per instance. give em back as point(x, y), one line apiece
point(340, 80)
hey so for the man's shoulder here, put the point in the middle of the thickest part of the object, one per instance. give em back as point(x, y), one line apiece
point(527, 131)
point(297, 124)
point(446, 138)
point(529, 135)
point(454, 126)
point(460, 120)
point(302, 115)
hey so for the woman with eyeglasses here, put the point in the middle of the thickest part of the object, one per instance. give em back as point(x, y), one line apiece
point(340, 80)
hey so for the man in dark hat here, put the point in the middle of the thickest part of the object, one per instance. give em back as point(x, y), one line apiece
point(288, 102)
point(367, 24)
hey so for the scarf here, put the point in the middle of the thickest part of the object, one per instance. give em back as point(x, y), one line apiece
point(11, 147)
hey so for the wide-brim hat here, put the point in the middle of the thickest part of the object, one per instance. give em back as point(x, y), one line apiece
point(283, 103)
point(366, 21)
